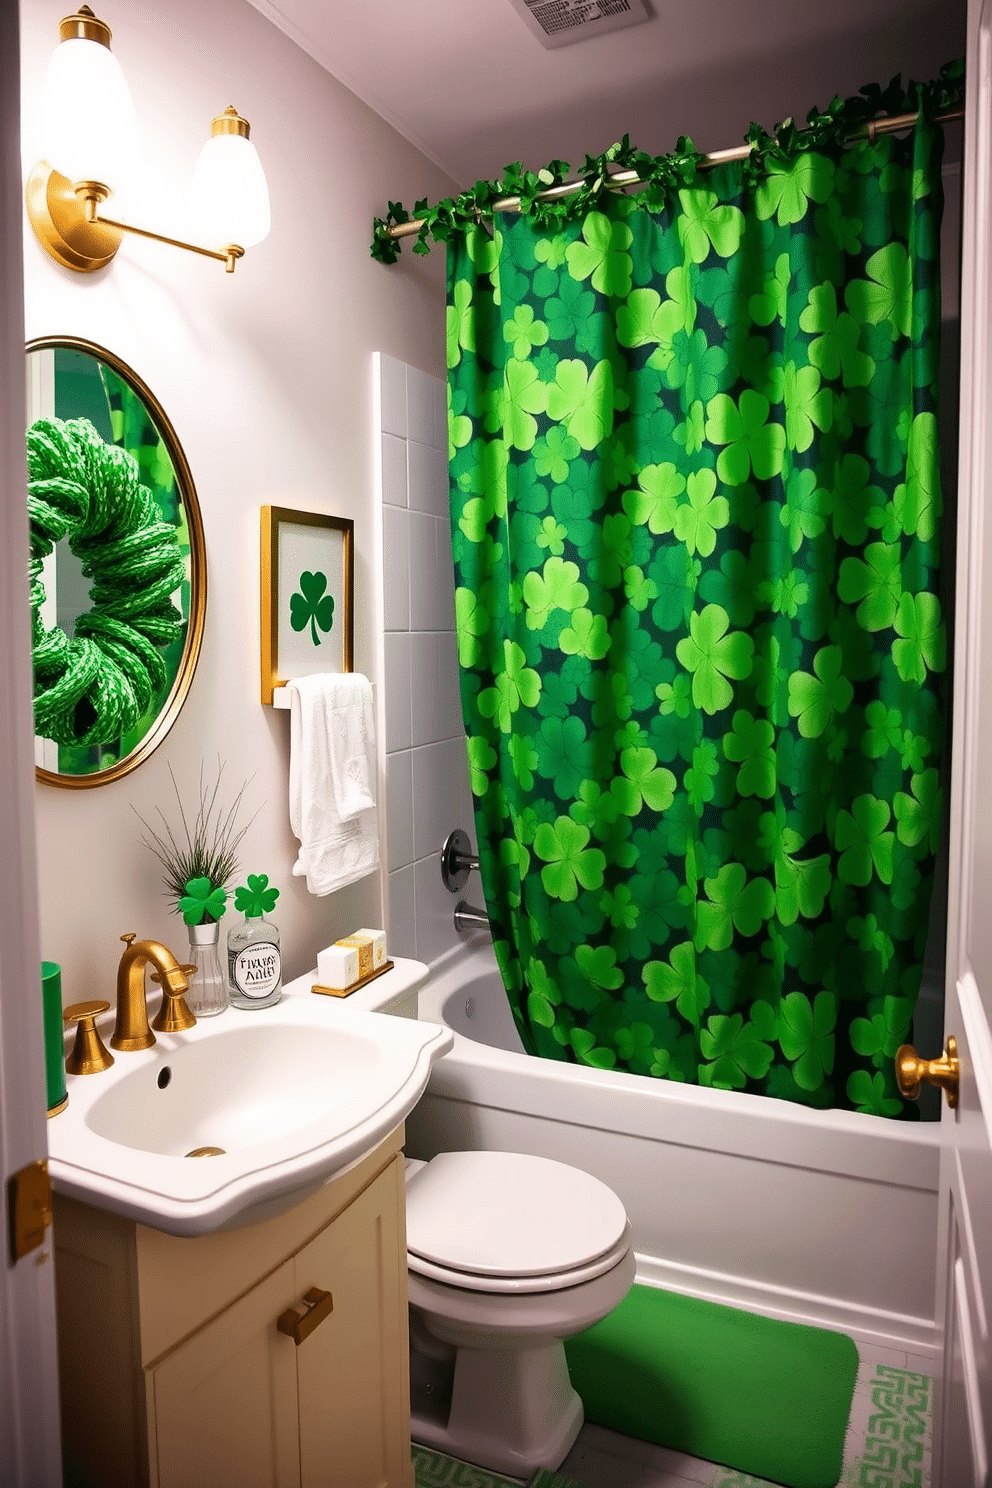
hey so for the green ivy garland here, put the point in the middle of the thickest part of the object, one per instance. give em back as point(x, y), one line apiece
point(96, 686)
point(662, 175)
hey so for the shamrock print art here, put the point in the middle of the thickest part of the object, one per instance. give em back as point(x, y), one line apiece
point(312, 606)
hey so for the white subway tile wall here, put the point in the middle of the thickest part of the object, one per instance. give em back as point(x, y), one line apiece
point(396, 547)
point(428, 478)
point(437, 709)
point(399, 808)
point(425, 609)
point(401, 935)
point(394, 487)
point(398, 708)
point(427, 791)
point(392, 384)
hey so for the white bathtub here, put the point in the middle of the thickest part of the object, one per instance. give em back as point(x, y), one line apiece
point(823, 1217)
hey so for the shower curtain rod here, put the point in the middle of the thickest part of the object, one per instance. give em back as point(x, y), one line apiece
point(890, 125)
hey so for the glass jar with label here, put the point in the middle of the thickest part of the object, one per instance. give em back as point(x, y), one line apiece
point(254, 959)
point(254, 964)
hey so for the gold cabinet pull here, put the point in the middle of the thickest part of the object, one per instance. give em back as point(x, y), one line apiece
point(299, 1322)
point(912, 1072)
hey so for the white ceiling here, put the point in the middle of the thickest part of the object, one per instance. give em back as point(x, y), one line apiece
point(469, 84)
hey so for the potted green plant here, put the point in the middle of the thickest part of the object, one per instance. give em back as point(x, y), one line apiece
point(200, 860)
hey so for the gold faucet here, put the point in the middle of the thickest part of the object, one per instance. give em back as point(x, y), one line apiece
point(131, 1030)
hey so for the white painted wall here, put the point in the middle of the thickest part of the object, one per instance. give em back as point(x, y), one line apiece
point(266, 377)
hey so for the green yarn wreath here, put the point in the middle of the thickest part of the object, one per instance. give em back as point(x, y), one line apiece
point(96, 686)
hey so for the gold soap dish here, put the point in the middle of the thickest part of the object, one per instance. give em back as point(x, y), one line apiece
point(355, 986)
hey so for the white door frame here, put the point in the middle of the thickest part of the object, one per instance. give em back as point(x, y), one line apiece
point(963, 1407)
point(30, 1449)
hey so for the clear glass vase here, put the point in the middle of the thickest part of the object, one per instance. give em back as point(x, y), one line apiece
point(207, 993)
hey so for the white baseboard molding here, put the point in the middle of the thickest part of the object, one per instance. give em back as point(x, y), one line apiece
point(865, 1325)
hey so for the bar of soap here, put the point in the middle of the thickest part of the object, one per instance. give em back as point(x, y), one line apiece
point(338, 967)
point(370, 946)
point(378, 939)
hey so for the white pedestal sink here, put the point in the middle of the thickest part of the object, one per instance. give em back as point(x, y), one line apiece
point(292, 1095)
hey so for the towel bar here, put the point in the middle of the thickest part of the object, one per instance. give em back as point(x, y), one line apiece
point(282, 699)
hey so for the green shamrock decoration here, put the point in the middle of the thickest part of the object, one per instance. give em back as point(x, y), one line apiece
point(311, 606)
point(202, 902)
point(257, 898)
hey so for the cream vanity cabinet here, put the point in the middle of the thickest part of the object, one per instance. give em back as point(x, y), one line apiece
point(174, 1372)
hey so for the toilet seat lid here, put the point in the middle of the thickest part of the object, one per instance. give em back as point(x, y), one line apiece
point(505, 1214)
point(520, 1286)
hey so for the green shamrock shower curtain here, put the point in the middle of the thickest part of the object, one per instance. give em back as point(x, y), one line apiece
point(696, 530)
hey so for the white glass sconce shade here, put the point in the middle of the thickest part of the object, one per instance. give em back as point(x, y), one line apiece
point(229, 197)
point(88, 126)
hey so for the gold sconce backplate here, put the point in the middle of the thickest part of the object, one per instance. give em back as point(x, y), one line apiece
point(58, 217)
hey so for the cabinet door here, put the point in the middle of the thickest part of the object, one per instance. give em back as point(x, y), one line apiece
point(353, 1369)
point(224, 1403)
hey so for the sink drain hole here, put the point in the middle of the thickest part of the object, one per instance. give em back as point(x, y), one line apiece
point(206, 1152)
point(164, 1076)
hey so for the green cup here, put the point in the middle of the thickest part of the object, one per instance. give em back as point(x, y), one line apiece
point(51, 998)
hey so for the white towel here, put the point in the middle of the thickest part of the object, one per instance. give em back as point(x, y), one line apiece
point(332, 771)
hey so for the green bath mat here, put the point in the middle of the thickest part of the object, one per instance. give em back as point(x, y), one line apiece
point(768, 1398)
point(435, 1470)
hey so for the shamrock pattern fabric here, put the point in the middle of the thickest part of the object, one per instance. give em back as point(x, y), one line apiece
point(696, 530)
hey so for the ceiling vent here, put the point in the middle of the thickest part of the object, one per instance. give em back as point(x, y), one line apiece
point(558, 23)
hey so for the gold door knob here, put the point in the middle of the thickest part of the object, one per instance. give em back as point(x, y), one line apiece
point(299, 1322)
point(912, 1072)
point(89, 1056)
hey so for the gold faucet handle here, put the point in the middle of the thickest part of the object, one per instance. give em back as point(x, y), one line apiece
point(89, 1055)
point(174, 1015)
point(188, 969)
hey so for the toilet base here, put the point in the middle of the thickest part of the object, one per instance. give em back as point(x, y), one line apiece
point(512, 1411)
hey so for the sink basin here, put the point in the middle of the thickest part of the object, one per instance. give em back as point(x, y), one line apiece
point(240, 1089)
point(277, 1101)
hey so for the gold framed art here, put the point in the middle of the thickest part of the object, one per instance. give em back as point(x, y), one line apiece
point(307, 595)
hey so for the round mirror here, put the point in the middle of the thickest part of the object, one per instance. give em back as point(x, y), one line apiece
point(118, 571)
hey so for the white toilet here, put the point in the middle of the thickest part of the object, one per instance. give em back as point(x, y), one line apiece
point(508, 1255)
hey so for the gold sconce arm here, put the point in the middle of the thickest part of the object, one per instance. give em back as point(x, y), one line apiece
point(227, 256)
point(65, 217)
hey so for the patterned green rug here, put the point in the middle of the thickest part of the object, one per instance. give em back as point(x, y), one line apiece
point(433, 1470)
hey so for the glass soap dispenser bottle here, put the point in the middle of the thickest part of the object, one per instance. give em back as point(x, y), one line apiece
point(254, 959)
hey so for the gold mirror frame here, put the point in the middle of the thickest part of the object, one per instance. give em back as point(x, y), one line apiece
point(197, 576)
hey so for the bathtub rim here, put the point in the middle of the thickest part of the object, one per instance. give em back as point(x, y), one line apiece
point(875, 1148)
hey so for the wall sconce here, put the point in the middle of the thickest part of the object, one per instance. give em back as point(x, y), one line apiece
point(91, 130)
